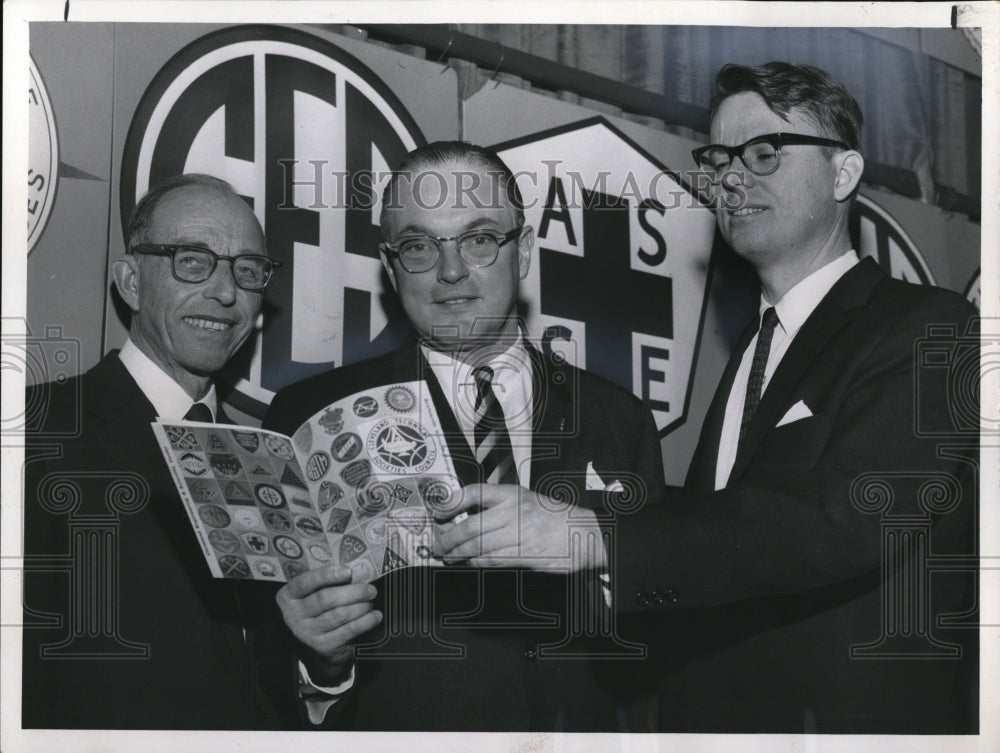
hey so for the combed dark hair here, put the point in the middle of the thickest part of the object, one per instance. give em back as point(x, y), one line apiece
point(441, 153)
point(144, 209)
point(805, 88)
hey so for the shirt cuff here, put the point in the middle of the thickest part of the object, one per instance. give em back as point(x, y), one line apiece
point(318, 700)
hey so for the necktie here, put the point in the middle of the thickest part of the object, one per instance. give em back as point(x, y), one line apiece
point(493, 450)
point(756, 381)
point(199, 412)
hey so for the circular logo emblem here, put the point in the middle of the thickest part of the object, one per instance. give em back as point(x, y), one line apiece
point(269, 495)
point(365, 407)
point(309, 526)
point(875, 233)
point(233, 566)
point(288, 547)
point(279, 447)
point(213, 516)
point(357, 473)
point(247, 517)
point(317, 466)
point(399, 445)
point(277, 521)
point(224, 541)
point(400, 398)
point(346, 447)
point(265, 569)
point(43, 155)
point(325, 114)
point(319, 553)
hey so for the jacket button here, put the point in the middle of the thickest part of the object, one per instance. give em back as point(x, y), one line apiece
point(672, 596)
point(530, 654)
point(657, 598)
point(642, 599)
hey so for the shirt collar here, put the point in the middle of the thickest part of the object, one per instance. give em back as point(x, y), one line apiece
point(168, 398)
point(455, 371)
point(798, 303)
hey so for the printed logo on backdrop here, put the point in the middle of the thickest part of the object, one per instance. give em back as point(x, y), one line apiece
point(621, 259)
point(43, 155)
point(875, 233)
point(303, 131)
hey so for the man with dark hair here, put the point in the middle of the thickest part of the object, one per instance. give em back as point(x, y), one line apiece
point(791, 575)
point(494, 641)
point(134, 633)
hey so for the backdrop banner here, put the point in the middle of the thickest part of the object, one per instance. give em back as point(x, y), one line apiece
point(628, 279)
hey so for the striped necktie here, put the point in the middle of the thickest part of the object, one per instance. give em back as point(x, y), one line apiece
point(493, 449)
point(755, 383)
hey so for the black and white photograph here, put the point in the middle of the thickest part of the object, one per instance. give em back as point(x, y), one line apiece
point(515, 377)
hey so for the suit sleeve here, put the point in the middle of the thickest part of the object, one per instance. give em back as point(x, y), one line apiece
point(816, 518)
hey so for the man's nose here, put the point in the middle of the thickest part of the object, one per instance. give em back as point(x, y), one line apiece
point(451, 267)
point(221, 285)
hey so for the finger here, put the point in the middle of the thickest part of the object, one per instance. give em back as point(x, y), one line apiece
point(334, 619)
point(333, 597)
point(313, 580)
point(485, 545)
point(465, 500)
point(334, 641)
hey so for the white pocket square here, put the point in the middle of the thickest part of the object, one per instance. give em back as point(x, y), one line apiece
point(596, 483)
point(796, 413)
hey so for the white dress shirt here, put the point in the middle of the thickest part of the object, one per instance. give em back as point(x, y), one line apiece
point(512, 386)
point(793, 309)
point(168, 398)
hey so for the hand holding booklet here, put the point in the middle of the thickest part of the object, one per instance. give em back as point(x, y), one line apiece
point(355, 485)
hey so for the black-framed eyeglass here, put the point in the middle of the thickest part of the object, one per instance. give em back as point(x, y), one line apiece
point(196, 264)
point(478, 248)
point(761, 154)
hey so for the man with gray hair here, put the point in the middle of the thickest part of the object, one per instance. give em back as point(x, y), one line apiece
point(145, 637)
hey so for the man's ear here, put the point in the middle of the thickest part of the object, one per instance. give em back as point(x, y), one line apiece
point(524, 245)
point(388, 266)
point(125, 271)
point(850, 165)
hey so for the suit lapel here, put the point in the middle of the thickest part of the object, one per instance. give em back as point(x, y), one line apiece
point(701, 473)
point(124, 411)
point(126, 435)
point(831, 315)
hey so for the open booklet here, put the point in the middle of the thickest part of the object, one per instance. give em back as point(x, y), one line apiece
point(355, 485)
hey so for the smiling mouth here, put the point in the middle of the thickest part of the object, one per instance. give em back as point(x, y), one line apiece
point(215, 325)
point(746, 211)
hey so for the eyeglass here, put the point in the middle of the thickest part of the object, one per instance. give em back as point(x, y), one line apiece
point(196, 264)
point(478, 248)
point(761, 154)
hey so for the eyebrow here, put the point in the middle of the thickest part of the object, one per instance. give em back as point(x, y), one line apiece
point(476, 224)
point(207, 247)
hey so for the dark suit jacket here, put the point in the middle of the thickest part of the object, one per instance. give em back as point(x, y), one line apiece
point(144, 637)
point(455, 651)
point(762, 589)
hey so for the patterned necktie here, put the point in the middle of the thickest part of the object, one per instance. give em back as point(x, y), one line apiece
point(755, 383)
point(493, 449)
point(199, 412)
